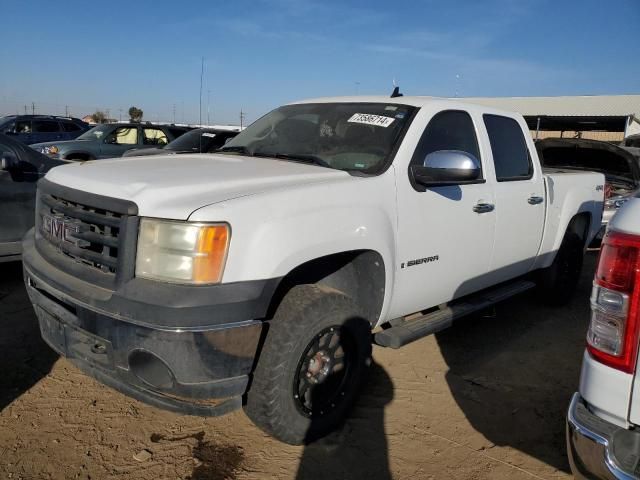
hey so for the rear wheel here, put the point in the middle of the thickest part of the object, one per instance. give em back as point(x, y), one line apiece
point(557, 282)
point(312, 365)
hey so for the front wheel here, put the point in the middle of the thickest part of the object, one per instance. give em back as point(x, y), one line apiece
point(557, 282)
point(312, 365)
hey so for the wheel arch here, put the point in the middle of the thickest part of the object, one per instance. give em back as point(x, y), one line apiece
point(359, 274)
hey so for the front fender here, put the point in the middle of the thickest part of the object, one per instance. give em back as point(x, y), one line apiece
point(273, 233)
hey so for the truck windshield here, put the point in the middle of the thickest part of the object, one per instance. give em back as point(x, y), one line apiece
point(344, 136)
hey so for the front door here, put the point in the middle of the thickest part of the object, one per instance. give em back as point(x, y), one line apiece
point(445, 234)
point(119, 141)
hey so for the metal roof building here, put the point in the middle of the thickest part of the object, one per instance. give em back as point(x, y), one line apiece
point(616, 114)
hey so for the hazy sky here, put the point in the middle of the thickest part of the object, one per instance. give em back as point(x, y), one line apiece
point(262, 53)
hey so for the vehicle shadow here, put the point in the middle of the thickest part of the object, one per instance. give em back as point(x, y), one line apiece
point(512, 370)
point(24, 357)
point(359, 448)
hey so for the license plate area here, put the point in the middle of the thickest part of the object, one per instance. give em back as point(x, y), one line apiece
point(73, 342)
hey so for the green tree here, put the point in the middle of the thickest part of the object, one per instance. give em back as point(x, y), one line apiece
point(135, 114)
point(99, 116)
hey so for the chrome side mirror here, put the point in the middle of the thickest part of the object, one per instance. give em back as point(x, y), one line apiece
point(447, 167)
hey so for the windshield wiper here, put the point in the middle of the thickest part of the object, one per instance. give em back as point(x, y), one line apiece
point(236, 148)
point(298, 157)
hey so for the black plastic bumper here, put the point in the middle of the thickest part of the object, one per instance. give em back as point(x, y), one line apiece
point(184, 368)
point(599, 449)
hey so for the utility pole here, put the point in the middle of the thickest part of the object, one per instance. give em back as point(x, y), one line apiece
point(25, 109)
point(120, 114)
point(242, 115)
point(174, 113)
point(201, 75)
point(66, 110)
point(33, 108)
point(208, 110)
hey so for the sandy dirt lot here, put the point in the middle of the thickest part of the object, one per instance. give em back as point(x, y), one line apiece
point(485, 399)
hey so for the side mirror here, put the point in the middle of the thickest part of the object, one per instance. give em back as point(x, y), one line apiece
point(10, 132)
point(447, 167)
point(8, 161)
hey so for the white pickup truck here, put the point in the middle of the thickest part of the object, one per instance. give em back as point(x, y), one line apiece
point(603, 440)
point(257, 275)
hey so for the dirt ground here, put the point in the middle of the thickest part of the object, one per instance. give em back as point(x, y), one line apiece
point(484, 399)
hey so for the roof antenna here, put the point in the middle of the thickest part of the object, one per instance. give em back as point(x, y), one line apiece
point(396, 90)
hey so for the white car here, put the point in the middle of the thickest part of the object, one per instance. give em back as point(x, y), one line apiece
point(261, 272)
point(602, 437)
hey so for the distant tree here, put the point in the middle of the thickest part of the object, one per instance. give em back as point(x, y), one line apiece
point(135, 114)
point(99, 117)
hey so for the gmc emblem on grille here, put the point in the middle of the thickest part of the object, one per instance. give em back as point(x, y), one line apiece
point(61, 228)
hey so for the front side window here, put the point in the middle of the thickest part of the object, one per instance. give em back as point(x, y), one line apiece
point(45, 126)
point(510, 153)
point(23, 126)
point(154, 136)
point(448, 130)
point(343, 136)
point(123, 136)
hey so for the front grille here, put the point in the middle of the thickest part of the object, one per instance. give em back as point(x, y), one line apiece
point(87, 234)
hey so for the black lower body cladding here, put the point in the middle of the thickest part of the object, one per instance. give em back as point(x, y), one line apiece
point(190, 351)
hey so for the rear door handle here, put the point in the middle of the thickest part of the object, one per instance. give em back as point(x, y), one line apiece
point(534, 200)
point(483, 207)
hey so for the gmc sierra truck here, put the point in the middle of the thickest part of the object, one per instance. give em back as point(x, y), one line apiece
point(260, 276)
point(603, 440)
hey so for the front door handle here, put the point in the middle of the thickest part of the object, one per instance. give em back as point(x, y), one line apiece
point(483, 207)
point(534, 200)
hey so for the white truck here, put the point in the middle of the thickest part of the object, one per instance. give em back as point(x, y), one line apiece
point(603, 440)
point(255, 277)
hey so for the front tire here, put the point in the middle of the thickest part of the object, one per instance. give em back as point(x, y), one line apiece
point(558, 282)
point(312, 365)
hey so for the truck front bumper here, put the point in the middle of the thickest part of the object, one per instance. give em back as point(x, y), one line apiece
point(194, 369)
point(599, 449)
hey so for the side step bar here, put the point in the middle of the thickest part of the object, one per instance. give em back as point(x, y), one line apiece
point(407, 331)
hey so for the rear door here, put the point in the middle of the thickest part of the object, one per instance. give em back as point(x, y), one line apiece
point(46, 131)
point(519, 198)
point(154, 137)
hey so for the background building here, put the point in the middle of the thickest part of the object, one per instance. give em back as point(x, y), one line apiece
point(599, 117)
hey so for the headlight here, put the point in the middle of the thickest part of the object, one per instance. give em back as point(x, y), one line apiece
point(182, 252)
point(50, 150)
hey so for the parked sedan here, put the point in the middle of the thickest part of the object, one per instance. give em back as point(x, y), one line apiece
point(111, 140)
point(20, 168)
point(201, 140)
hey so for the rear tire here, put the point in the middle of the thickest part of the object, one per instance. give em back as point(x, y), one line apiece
point(312, 365)
point(558, 282)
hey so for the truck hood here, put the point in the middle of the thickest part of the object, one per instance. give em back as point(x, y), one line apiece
point(168, 187)
point(60, 143)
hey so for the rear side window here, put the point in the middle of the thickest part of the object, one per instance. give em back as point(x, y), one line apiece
point(448, 130)
point(45, 126)
point(70, 127)
point(154, 136)
point(510, 153)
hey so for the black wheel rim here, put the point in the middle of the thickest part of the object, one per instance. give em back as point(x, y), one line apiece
point(324, 372)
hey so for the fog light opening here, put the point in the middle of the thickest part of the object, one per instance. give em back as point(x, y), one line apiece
point(151, 369)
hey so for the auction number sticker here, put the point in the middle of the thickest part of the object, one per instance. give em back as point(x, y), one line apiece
point(368, 119)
